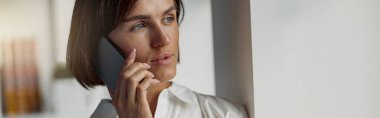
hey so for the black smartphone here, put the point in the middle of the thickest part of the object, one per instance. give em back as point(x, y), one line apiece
point(110, 62)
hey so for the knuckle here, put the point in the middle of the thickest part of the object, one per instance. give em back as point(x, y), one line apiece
point(141, 88)
point(128, 70)
point(145, 72)
point(133, 78)
point(125, 75)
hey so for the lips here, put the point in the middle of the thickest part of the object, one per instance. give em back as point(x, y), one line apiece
point(163, 58)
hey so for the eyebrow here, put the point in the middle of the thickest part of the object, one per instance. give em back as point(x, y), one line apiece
point(169, 10)
point(142, 17)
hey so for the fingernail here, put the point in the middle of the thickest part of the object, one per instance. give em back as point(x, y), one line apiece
point(146, 65)
point(132, 54)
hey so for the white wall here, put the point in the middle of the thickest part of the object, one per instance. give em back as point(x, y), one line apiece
point(196, 67)
point(316, 59)
point(61, 16)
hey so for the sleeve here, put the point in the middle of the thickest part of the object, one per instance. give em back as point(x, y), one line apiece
point(215, 107)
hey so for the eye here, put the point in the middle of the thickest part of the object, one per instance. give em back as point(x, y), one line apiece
point(168, 19)
point(138, 27)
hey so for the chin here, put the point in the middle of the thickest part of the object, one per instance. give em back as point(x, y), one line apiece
point(165, 74)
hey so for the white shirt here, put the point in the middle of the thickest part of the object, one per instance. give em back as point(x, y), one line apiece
point(180, 102)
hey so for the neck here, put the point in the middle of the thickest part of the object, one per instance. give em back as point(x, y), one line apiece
point(153, 93)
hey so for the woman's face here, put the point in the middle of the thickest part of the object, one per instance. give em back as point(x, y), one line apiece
point(152, 29)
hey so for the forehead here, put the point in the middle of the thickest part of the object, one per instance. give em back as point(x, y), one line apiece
point(149, 7)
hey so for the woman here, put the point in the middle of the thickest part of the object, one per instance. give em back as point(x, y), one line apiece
point(147, 32)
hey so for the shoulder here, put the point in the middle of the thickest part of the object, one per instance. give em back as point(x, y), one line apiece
point(214, 106)
point(105, 109)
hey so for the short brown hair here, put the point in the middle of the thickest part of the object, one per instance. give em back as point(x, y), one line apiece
point(91, 19)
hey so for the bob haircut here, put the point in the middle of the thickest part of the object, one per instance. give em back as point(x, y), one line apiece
point(91, 19)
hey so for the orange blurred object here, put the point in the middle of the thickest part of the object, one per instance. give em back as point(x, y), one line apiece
point(20, 89)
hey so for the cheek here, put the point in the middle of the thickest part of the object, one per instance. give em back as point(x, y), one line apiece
point(173, 33)
point(141, 54)
point(138, 42)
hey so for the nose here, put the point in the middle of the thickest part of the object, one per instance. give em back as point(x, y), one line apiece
point(160, 37)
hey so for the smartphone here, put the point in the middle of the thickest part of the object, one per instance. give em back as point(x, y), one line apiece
point(109, 63)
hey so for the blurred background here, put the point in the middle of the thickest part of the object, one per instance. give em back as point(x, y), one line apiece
point(34, 80)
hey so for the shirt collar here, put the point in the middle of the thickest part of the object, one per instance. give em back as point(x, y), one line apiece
point(183, 93)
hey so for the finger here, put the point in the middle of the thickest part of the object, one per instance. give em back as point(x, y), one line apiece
point(133, 81)
point(141, 92)
point(148, 82)
point(132, 84)
point(130, 59)
point(133, 68)
point(120, 93)
point(125, 75)
point(140, 75)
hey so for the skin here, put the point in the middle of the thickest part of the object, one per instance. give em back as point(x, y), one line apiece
point(149, 31)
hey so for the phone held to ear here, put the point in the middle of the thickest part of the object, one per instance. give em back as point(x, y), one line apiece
point(110, 62)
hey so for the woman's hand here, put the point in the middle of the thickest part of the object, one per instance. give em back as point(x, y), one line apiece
point(130, 97)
